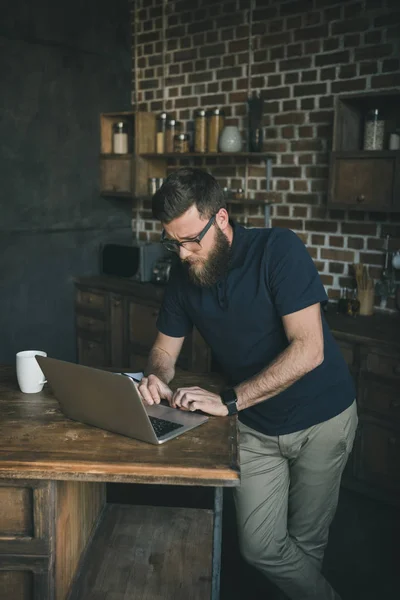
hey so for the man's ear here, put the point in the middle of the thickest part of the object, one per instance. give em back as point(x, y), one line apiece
point(222, 219)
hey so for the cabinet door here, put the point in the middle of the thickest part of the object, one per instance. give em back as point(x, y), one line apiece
point(93, 353)
point(116, 332)
point(142, 326)
point(378, 460)
point(362, 182)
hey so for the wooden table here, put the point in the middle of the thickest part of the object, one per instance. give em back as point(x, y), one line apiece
point(58, 536)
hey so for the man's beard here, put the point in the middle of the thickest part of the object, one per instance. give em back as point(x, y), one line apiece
point(206, 272)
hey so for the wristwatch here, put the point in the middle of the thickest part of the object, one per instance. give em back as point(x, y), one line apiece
point(229, 398)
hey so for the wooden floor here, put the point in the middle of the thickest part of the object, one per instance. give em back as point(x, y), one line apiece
point(148, 553)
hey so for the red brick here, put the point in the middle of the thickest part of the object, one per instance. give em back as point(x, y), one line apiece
point(336, 267)
point(287, 132)
point(300, 185)
point(286, 171)
point(347, 71)
point(305, 159)
point(359, 228)
point(264, 67)
point(310, 75)
point(373, 37)
point(291, 78)
point(289, 105)
point(302, 198)
point(391, 64)
point(370, 258)
point(296, 224)
point(306, 145)
point(306, 132)
point(318, 240)
point(330, 44)
point(326, 279)
point(336, 240)
point(307, 103)
point(300, 211)
point(369, 68)
point(338, 255)
point(288, 159)
point(293, 118)
point(328, 226)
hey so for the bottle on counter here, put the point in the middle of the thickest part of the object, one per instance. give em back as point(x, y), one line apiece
point(374, 130)
point(215, 124)
point(173, 129)
point(120, 138)
point(160, 132)
point(200, 130)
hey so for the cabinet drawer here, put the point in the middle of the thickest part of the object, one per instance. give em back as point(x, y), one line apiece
point(91, 324)
point(363, 181)
point(142, 325)
point(347, 351)
point(25, 518)
point(379, 455)
point(383, 364)
point(381, 397)
point(92, 353)
point(90, 299)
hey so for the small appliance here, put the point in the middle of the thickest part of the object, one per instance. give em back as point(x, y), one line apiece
point(133, 262)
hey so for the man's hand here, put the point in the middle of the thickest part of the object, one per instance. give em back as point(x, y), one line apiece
point(195, 398)
point(152, 390)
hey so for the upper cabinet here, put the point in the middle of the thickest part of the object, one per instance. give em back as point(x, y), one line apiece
point(365, 159)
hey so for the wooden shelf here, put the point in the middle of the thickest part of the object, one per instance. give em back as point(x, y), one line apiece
point(117, 156)
point(116, 194)
point(247, 201)
point(181, 155)
point(143, 552)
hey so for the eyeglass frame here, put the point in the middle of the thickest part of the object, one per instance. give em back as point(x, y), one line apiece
point(175, 245)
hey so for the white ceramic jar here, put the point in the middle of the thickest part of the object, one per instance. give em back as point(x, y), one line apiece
point(230, 139)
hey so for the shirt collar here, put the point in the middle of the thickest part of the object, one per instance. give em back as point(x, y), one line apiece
point(238, 246)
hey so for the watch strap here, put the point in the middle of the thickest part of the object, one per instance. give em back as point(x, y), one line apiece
point(229, 398)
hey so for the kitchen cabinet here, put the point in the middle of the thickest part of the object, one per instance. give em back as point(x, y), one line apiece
point(371, 348)
point(115, 322)
point(364, 179)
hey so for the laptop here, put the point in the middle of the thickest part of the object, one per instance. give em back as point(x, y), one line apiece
point(111, 401)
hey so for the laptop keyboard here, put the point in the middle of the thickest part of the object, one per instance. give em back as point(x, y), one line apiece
point(161, 427)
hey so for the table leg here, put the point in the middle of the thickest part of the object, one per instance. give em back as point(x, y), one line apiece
point(217, 542)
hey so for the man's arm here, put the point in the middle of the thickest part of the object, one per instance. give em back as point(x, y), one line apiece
point(163, 356)
point(160, 369)
point(304, 353)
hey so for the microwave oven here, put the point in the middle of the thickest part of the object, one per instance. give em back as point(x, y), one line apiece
point(133, 262)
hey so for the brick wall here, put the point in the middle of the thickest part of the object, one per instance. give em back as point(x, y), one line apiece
point(305, 52)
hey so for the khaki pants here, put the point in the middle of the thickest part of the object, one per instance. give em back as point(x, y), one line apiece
point(287, 500)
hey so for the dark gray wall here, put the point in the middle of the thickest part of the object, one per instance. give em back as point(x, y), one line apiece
point(61, 64)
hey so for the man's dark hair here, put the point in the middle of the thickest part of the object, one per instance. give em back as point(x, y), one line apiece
point(182, 189)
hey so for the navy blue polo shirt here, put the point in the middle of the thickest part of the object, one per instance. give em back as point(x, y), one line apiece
point(271, 274)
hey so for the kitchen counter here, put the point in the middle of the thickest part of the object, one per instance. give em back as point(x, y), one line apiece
point(380, 327)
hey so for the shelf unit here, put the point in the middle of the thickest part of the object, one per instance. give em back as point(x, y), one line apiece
point(364, 179)
point(127, 175)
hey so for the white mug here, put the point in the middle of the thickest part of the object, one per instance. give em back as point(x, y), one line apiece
point(30, 376)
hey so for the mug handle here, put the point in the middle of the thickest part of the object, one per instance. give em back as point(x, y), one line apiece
point(43, 382)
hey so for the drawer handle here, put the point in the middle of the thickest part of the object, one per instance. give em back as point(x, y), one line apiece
point(117, 303)
point(361, 198)
point(90, 299)
point(90, 345)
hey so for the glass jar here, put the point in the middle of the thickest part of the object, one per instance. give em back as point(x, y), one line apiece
point(200, 131)
point(160, 132)
point(181, 143)
point(374, 130)
point(120, 138)
point(173, 128)
point(215, 124)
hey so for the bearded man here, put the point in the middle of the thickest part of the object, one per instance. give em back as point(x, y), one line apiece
point(255, 296)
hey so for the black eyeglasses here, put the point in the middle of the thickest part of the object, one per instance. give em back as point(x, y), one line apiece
point(192, 245)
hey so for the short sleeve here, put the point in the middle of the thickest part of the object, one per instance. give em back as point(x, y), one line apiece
point(173, 319)
point(292, 277)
